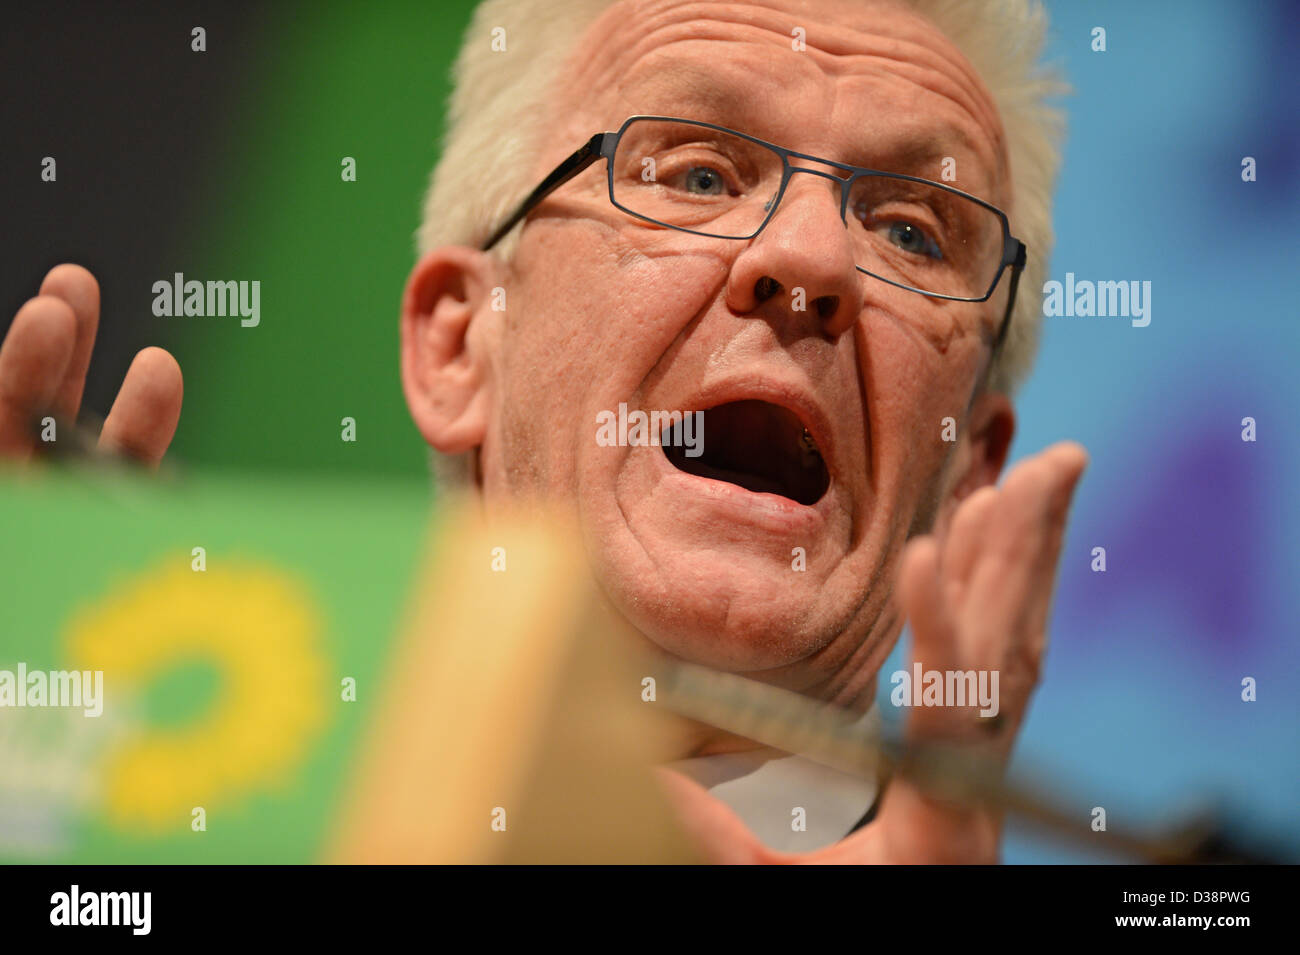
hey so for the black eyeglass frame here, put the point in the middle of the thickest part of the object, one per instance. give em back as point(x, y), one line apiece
point(604, 145)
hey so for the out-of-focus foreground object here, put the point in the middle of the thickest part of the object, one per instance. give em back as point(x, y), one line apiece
point(516, 725)
point(240, 624)
point(254, 706)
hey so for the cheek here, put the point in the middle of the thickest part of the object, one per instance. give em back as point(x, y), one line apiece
point(589, 314)
point(919, 382)
point(592, 296)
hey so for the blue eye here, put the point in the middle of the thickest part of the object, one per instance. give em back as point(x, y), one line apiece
point(911, 239)
point(704, 181)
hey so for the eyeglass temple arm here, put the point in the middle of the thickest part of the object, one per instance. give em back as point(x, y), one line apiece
point(1017, 265)
point(576, 163)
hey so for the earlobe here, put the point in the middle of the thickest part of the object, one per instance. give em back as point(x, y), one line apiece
point(445, 370)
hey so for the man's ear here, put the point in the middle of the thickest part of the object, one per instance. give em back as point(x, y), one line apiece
point(981, 451)
point(445, 368)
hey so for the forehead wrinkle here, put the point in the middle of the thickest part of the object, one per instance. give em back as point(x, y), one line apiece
point(923, 56)
point(686, 71)
point(913, 44)
point(920, 136)
point(615, 67)
point(912, 50)
point(898, 62)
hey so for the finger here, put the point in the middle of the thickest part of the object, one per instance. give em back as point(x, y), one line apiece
point(964, 541)
point(1069, 460)
point(33, 358)
point(921, 598)
point(935, 643)
point(78, 288)
point(914, 827)
point(143, 419)
point(1011, 585)
point(715, 829)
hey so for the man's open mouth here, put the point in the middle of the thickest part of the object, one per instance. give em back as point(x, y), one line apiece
point(757, 445)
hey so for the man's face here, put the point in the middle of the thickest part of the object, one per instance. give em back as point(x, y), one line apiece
point(604, 309)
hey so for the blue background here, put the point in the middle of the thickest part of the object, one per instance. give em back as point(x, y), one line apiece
point(1140, 709)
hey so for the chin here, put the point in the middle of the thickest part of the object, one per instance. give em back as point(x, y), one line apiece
point(724, 560)
point(736, 612)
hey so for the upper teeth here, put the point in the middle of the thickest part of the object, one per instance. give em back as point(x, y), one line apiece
point(810, 452)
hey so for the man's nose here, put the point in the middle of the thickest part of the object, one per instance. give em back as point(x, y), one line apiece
point(802, 261)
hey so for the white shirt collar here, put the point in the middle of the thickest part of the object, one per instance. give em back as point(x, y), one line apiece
point(765, 791)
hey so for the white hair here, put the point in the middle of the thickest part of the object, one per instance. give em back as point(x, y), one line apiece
point(497, 113)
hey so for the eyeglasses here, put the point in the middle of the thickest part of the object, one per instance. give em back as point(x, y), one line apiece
point(708, 180)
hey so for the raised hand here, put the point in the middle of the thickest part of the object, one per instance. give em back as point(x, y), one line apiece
point(978, 598)
point(43, 364)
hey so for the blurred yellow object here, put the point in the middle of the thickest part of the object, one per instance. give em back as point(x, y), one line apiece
point(260, 626)
point(513, 727)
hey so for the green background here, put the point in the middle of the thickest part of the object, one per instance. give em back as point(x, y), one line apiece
point(258, 470)
point(327, 81)
point(351, 548)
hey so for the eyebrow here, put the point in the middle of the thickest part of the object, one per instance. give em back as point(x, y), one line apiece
point(716, 97)
point(912, 153)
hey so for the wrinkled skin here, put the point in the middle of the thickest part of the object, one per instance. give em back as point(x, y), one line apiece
point(605, 309)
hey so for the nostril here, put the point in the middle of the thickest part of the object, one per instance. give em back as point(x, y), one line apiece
point(765, 288)
point(826, 305)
